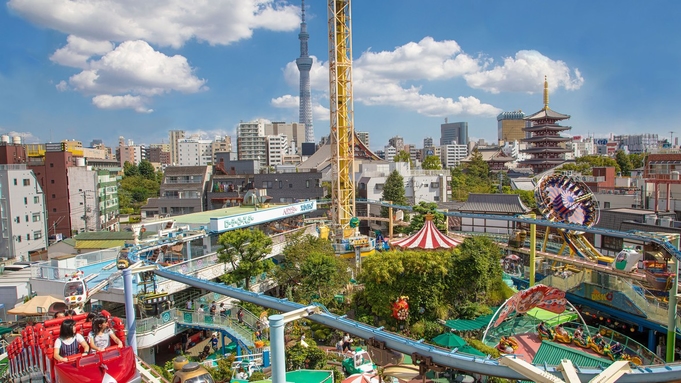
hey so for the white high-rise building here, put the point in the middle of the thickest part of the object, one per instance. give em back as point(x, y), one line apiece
point(251, 143)
point(22, 213)
point(277, 149)
point(194, 152)
point(452, 154)
point(390, 153)
point(295, 133)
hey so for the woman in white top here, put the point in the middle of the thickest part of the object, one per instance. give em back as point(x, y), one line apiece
point(68, 341)
point(101, 335)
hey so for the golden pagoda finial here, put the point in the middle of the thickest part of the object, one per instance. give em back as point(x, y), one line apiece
point(546, 93)
point(429, 217)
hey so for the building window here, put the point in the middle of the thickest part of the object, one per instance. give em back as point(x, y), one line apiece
point(37, 234)
point(18, 238)
point(51, 165)
point(436, 198)
point(606, 205)
point(434, 184)
point(51, 181)
point(54, 196)
point(15, 182)
point(26, 217)
point(17, 220)
point(25, 200)
point(379, 186)
point(36, 217)
point(290, 186)
point(612, 243)
point(281, 184)
point(28, 237)
point(36, 199)
point(362, 186)
point(264, 184)
point(54, 210)
point(307, 183)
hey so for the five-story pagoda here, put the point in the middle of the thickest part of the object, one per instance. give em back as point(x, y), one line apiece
point(545, 142)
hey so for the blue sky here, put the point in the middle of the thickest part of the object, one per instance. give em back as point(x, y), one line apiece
point(107, 68)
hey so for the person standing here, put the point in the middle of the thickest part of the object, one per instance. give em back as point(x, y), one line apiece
point(189, 305)
point(214, 342)
point(240, 315)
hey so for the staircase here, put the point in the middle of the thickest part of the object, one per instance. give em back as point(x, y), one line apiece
point(240, 331)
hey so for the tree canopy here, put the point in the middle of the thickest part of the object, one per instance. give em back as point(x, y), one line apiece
point(584, 165)
point(393, 191)
point(471, 177)
point(403, 156)
point(309, 266)
point(432, 163)
point(138, 184)
point(419, 218)
point(245, 250)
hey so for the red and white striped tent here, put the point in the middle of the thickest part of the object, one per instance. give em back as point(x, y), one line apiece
point(429, 237)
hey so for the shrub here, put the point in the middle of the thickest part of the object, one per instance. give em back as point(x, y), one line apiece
point(478, 345)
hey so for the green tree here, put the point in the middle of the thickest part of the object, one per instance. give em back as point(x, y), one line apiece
point(393, 191)
point(477, 168)
point(130, 169)
point(146, 170)
point(477, 270)
point(403, 156)
point(245, 250)
point(421, 210)
point(303, 256)
point(638, 160)
point(299, 357)
point(324, 275)
point(432, 163)
point(526, 196)
point(624, 162)
point(584, 165)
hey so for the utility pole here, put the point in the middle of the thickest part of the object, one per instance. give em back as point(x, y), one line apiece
point(85, 209)
point(671, 138)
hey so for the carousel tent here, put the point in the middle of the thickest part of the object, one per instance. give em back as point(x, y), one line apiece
point(429, 237)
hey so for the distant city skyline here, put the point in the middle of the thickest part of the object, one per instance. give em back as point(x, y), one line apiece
point(138, 73)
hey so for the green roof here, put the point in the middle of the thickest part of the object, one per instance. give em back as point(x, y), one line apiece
point(552, 319)
point(552, 353)
point(103, 235)
point(305, 376)
point(471, 324)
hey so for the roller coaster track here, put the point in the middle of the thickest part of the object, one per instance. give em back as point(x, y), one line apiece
point(439, 356)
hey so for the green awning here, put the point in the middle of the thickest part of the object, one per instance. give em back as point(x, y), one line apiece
point(552, 319)
point(5, 330)
point(471, 324)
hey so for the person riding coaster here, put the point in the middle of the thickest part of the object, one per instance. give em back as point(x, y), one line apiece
point(599, 344)
point(561, 335)
point(579, 338)
point(507, 345)
point(544, 332)
point(617, 350)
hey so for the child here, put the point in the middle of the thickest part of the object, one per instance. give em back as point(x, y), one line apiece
point(68, 341)
point(101, 335)
point(214, 342)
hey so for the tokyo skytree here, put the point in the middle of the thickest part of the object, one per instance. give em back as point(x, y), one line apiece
point(304, 63)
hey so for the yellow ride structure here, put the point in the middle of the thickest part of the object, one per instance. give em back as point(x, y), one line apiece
point(342, 119)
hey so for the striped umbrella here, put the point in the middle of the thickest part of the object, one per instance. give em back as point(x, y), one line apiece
point(361, 378)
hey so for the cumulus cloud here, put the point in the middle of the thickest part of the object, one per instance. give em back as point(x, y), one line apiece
point(525, 73)
point(379, 79)
point(78, 51)
point(286, 101)
point(127, 76)
point(107, 101)
point(162, 22)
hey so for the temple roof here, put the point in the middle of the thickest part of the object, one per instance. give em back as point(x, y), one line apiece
point(540, 127)
point(546, 138)
point(545, 149)
point(547, 114)
point(495, 203)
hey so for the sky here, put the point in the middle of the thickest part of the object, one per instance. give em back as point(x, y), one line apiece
point(100, 69)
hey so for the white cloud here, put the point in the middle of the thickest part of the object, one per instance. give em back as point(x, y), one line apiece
point(78, 51)
point(132, 70)
point(162, 22)
point(525, 73)
point(378, 79)
point(211, 133)
point(107, 101)
point(286, 101)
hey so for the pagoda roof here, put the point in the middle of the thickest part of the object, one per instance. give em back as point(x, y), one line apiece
point(545, 149)
point(540, 127)
point(547, 113)
point(546, 138)
point(543, 161)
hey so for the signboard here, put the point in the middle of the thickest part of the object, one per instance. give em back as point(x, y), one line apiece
point(609, 298)
point(233, 222)
point(601, 141)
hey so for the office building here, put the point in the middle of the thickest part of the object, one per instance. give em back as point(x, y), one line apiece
point(510, 126)
point(251, 143)
point(174, 136)
point(454, 131)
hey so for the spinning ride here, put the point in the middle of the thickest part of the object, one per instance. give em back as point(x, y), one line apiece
point(562, 198)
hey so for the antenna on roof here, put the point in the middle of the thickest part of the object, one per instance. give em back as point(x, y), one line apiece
point(546, 93)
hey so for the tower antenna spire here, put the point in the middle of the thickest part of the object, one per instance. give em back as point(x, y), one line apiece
point(304, 63)
point(546, 93)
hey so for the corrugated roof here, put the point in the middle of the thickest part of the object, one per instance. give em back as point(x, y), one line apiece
point(495, 203)
point(103, 235)
point(552, 353)
point(185, 171)
point(100, 244)
point(471, 324)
